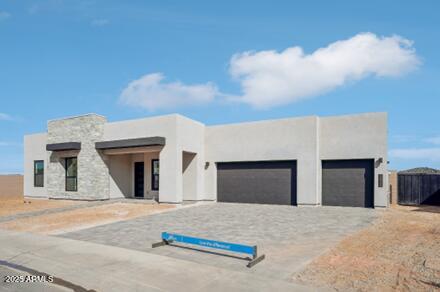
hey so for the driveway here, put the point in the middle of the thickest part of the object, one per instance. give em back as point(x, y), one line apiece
point(85, 266)
point(289, 236)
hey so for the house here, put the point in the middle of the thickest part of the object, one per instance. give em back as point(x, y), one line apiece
point(304, 161)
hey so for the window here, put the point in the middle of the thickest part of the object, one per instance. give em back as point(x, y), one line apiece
point(155, 174)
point(380, 181)
point(39, 173)
point(71, 165)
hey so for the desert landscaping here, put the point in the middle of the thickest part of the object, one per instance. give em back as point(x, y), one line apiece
point(400, 251)
point(20, 205)
point(80, 218)
point(394, 249)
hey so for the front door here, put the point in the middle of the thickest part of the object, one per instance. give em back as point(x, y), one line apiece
point(139, 179)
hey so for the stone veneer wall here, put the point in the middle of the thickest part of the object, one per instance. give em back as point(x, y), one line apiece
point(93, 173)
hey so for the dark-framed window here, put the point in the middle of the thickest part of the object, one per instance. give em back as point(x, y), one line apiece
point(71, 164)
point(155, 174)
point(39, 173)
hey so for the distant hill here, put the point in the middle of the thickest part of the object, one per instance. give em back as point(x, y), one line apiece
point(421, 170)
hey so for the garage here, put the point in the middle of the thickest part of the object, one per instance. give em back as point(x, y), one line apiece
point(348, 183)
point(262, 182)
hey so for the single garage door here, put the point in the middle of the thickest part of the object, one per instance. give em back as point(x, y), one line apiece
point(348, 183)
point(263, 182)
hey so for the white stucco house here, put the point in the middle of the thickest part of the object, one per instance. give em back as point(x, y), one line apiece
point(304, 161)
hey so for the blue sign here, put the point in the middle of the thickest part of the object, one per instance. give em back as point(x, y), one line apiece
point(233, 247)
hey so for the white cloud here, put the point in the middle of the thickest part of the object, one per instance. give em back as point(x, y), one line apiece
point(4, 15)
point(432, 154)
point(5, 117)
point(403, 138)
point(152, 93)
point(100, 22)
point(433, 140)
point(271, 78)
point(4, 143)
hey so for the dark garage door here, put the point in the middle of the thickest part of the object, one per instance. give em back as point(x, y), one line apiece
point(263, 182)
point(348, 183)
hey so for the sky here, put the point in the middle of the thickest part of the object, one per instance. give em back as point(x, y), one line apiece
point(222, 62)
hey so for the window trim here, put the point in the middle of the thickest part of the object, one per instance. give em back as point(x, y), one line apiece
point(67, 177)
point(153, 188)
point(35, 174)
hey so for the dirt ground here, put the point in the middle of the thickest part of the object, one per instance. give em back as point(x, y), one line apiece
point(77, 219)
point(11, 207)
point(399, 252)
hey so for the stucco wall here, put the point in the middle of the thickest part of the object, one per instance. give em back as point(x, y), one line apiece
point(191, 139)
point(285, 139)
point(308, 140)
point(170, 160)
point(393, 186)
point(189, 179)
point(34, 149)
point(11, 187)
point(181, 134)
point(120, 169)
point(362, 136)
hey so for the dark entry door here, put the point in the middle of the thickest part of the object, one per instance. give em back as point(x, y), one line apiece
point(263, 182)
point(139, 179)
point(348, 183)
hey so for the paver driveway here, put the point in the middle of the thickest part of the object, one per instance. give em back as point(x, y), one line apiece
point(289, 236)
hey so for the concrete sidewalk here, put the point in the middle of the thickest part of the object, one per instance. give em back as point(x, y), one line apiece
point(108, 268)
point(26, 287)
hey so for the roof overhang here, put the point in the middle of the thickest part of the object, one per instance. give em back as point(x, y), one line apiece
point(63, 146)
point(132, 150)
point(130, 143)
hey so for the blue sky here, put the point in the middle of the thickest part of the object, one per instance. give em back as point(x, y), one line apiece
point(131, 59)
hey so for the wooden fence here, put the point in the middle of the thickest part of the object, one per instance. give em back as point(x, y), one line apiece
point(417, 189)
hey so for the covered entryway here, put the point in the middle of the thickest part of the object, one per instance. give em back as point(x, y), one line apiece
point(133, 166)
point(348, 183)
point(263, 182)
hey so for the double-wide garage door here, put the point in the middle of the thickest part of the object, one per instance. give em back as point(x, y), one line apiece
point(263, 182)
point(348, 183)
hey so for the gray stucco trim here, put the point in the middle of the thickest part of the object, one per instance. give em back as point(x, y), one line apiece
point(126, 143)
point(63, 146)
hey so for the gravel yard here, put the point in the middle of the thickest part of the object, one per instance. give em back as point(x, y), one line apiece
point(401, 251)
point(12, 207)
point(80, 218)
